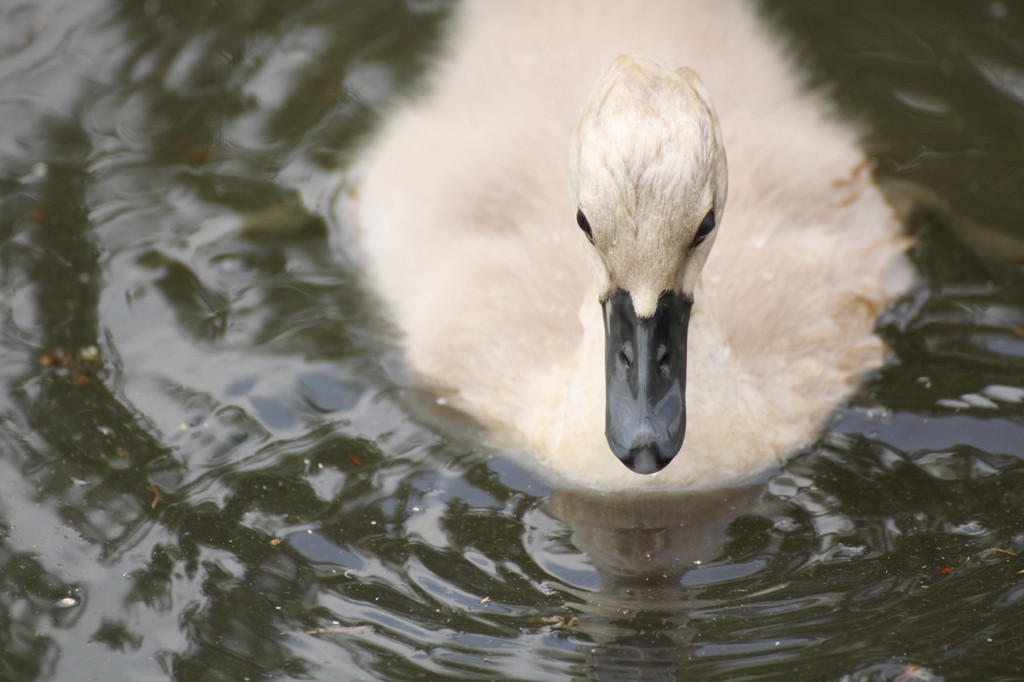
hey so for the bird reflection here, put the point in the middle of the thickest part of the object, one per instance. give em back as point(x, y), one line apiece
point(643, 546)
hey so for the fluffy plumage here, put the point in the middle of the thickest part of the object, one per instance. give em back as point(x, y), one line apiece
point(471, 239)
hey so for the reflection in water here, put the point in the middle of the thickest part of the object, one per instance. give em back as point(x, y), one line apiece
point(650, 552)
point(208, 471)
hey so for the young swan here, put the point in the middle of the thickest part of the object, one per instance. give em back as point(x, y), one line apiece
point(641, 377)
point(649, 177)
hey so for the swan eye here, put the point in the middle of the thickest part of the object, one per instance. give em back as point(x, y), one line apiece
point(705, 228)
point(581, 220)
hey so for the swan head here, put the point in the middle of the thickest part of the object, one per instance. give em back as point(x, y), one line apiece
point(648, 174)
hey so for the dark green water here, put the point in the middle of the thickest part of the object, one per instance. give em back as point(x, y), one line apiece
point(208, 473)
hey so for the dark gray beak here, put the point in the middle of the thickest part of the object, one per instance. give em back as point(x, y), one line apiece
point(645, 380)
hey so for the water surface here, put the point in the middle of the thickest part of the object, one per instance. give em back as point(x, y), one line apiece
point(208, 470)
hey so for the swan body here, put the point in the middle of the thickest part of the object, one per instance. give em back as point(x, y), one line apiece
point(471, 235)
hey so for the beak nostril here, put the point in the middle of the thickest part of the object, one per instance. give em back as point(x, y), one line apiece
point(663, 358)
point(626, 354)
